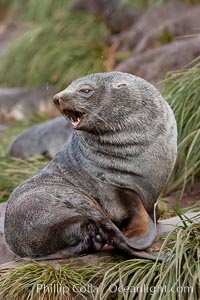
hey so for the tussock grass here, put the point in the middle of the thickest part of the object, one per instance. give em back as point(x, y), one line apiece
point(40, 10)
point(14, 171)
point(182, 91)
point(56, 51)
point(44, 281)
point(177, 277)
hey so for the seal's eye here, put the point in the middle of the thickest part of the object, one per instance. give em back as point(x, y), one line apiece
point(85, 91)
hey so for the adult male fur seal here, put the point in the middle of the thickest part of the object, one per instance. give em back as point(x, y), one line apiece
point(102, 187)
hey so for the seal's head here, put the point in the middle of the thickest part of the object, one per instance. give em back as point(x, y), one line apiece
point(104, 102)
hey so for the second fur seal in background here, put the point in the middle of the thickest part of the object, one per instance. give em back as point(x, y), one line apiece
point(102, 187)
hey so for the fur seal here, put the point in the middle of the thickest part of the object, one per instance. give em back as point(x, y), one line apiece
point(102, 187)
point(46, 138)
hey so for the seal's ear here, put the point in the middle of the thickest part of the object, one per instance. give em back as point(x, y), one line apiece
point(140, 229)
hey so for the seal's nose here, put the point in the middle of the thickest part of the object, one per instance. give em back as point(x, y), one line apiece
point(57, 100)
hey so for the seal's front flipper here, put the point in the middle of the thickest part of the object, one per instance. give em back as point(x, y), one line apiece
point(141, 237)
point(139, 229)
point(116, 238)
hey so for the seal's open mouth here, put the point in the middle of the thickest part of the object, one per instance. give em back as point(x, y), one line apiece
point(74, 117)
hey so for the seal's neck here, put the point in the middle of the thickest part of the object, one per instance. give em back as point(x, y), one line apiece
point(121, 144)
point(106, 154)
point(100, 159)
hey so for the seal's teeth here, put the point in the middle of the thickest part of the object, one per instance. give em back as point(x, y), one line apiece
point(75, 123)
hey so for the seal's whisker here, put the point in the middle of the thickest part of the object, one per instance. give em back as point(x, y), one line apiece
point(109, 125)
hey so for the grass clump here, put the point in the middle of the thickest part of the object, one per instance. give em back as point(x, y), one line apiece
point(13, 171)
point(44, 281)
point(56, 52)
point(40, 10)
point(177, 277)
point(182, 90)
